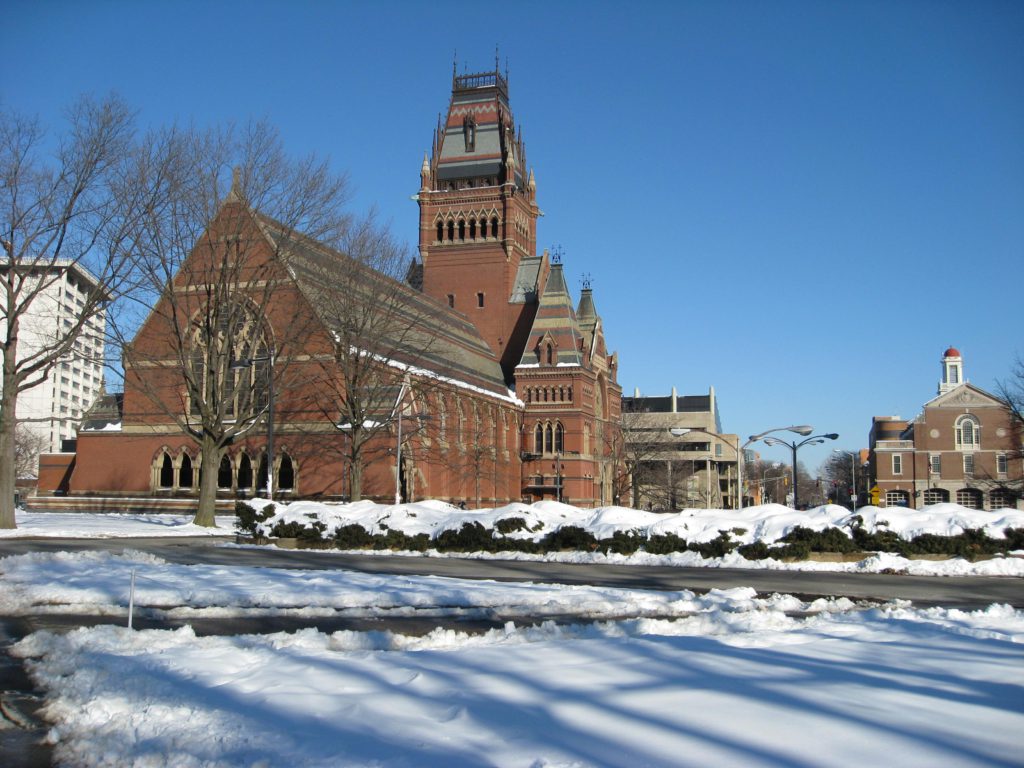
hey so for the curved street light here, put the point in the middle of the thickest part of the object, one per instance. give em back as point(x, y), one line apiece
point(794, 447)
point(800, 429)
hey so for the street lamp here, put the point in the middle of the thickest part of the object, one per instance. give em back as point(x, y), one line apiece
point(244, 364)
point(794, 447)
point(800, 429)
point(398, 448)
point(853, 472)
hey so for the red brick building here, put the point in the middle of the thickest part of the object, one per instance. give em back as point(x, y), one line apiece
point(961, 448)
point(523, 402)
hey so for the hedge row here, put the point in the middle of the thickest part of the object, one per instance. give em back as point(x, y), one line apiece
point(474, 537)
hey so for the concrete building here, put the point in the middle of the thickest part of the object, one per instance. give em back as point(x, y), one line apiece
point(53, 408)
point(678, 454)
point(961, 448)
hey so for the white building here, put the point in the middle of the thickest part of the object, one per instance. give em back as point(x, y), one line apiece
point(54, 407)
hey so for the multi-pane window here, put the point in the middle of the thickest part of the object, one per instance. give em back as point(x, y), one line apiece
point(968, 432)
point(968, 464)
point(1002, 465)
point(897, 464)
point(935, 464)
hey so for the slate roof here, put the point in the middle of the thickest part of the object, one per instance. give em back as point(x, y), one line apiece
point(105, 413)
point(426, 333)
point(555, 320)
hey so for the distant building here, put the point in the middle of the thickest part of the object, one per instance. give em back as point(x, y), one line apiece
point(53, 408)
point(678, 454)
point(960, 448)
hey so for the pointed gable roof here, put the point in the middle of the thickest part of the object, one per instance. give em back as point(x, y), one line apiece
point(555, 322)
point(965, 395)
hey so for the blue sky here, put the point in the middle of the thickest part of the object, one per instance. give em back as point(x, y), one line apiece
point(801, 204)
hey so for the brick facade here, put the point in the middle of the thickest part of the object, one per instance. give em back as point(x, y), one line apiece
point(475, 401)
point(962, 448)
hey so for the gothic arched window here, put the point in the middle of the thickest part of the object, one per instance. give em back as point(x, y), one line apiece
point(549, 441)
point(559, 438)
point(224, 473)
point(538, 439)
point(451, 229)
point(286, 473)
point(244, 472)
point(166, 471)
point(185, 472)
point(230, 345)
point(440, 231)
point(494, 227)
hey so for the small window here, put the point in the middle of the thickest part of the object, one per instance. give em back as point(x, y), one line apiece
point(968, 464)
point(479, 299)
point(469, 133)
point(897, 464)
point(935, 464)
point(1002, 465)
point(451, 300)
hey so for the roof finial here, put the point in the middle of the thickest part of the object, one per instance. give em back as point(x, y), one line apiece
point(497, 60)
point(455, 64)
point(587, 281)
point(235, 193)
point(556, 257)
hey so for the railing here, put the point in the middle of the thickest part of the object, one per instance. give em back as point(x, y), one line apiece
point(465, 82)
point(891, 445)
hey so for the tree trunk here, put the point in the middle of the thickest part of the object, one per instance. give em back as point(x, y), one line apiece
point(211, 453)
point(8, 475)
point(356, 484)
point(8, 427)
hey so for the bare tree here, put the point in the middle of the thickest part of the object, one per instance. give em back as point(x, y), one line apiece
point(225, 321)
point(28, 444)
point(387, 345)
point(1011, 392)
point(837, 473)
point(66, 211)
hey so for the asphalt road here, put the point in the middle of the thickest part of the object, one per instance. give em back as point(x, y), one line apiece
point(970, 592)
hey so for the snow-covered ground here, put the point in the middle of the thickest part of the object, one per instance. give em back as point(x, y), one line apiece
point(767, 523)
point(724, 679)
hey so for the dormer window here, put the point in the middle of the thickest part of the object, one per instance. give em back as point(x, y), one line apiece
point(469, 133)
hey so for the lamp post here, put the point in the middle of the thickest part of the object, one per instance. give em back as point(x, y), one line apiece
point(245, 364)
point(398, 448)
point(794, 447)
point(801, 429)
